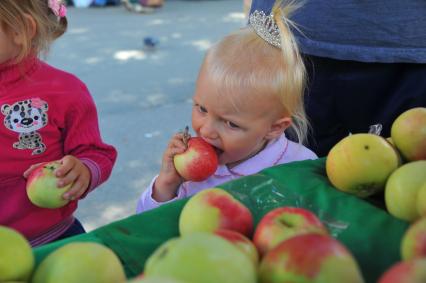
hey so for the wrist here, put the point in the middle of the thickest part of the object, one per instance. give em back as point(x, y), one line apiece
point(163, 190)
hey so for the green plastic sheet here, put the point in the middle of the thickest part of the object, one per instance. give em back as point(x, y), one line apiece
point(365, 228)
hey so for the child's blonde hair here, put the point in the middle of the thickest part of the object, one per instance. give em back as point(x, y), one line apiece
point(14, 19)
point(243, 60)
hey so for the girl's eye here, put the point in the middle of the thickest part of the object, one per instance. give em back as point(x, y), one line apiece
point(232, 125)
point(202, 109)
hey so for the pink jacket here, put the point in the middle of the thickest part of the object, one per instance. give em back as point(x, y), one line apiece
point(47, 113)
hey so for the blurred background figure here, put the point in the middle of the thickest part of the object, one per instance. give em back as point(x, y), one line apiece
point(142, 6)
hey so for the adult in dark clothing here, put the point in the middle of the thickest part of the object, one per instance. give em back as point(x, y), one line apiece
point(366, 62)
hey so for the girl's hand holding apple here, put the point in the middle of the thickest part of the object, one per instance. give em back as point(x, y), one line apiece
point(73, 171)
point(169, 180)
point(70, 172)
point(185, 159)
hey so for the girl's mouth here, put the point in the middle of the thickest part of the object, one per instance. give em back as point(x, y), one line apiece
point(218, 150)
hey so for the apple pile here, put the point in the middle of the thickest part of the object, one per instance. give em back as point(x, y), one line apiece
point(42, 189)
point(217, 244)
point(365, 164)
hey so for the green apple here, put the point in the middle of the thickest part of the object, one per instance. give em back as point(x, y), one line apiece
point(16, 256)
point(282, 223)
point(409, 133)
point(412, 271)
point(402, 189)
point(413, 243)
point(201, 258)
point(42, 189)
point(214, 209)
point(421, 200)
point(309, 258)
point(79, 262)
point(360, 164)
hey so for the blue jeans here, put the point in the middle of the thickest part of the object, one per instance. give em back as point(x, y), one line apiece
point(75, 229)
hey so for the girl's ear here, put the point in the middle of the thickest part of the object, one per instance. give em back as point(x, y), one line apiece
point(278, 127)
point(19, 38)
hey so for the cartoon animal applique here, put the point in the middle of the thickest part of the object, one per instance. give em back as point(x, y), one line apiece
point(26, 117)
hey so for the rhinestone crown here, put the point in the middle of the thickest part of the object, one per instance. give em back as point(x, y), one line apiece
point(265, 27)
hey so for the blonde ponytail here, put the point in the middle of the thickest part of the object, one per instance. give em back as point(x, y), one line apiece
point(294, 68)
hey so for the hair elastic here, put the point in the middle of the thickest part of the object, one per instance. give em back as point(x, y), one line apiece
point(57, 8)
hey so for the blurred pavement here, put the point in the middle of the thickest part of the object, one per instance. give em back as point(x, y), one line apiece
point(143, 95)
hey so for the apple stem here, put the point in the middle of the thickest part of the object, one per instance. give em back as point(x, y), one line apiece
point(186, 136)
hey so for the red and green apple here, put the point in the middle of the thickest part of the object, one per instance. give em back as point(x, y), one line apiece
point(412, 271)
point(198, 162)
point(413, 244)
point(42, 189)
point(309, 258)
point(213, 209)
point(282, 223)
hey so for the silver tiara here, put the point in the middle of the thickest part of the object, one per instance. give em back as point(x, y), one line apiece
point(265, 27)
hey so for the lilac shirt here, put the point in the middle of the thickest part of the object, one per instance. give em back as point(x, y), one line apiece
point(278, 151)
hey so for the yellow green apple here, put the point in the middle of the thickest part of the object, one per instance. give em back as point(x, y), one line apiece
point(282, 223)
point(201, 258)
point(155, 280)
point(408, 132)
point(198, 162)
point(241, 242)
point(42, 189)
point(80, 262)
point(214, 209)
point(309, 258)
point(360, 164)
point(413, 243)
point(402, 190)
point(412, 271)
point(16, 256)
point(421, 200)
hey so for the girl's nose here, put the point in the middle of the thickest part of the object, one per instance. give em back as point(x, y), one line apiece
point(208, 130)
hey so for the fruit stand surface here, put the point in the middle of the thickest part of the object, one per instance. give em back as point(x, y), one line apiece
point(368, 231)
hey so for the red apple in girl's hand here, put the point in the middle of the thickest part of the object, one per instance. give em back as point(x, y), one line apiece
point(198, 162)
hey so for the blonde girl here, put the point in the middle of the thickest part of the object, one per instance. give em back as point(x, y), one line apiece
point(248, 95)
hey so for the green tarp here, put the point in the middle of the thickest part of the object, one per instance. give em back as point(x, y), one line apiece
point(367, 230)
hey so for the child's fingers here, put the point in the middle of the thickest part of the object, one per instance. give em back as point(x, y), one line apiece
point(30, 169)
point(179, 144)
point(77, 190)
point(69, 178)
point(67, 164)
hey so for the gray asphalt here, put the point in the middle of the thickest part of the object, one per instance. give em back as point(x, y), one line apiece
point(143, 95)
